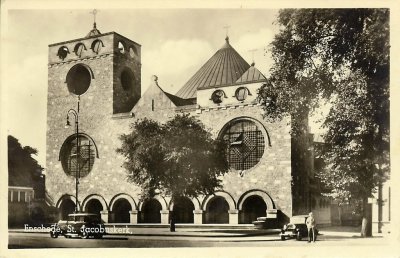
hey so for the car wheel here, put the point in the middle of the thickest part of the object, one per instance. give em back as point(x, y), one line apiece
point(283, 238)
point(53, 234)
point(298, 236)
point(85, 234)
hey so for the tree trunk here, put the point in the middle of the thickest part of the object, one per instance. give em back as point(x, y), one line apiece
point(366, 225)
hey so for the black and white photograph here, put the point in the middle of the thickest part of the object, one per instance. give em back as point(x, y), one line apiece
point(159, 129)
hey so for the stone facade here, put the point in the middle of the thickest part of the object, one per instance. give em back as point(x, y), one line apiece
point(108, 108)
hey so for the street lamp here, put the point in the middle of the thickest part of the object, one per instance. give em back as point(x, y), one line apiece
point(77, 174)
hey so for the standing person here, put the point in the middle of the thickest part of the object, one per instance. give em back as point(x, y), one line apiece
point(310, 222)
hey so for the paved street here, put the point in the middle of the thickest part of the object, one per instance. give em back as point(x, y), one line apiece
point(191, 239)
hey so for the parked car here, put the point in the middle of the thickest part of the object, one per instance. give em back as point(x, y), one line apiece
point(82, 225)
point(296, 228)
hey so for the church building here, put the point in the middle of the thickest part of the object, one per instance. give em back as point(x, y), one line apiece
point(94, 82)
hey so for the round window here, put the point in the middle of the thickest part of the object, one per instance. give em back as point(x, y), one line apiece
point(77, 156)
point(241, 93)
point(78, 79)
point(127, 79)
point(217, 96)
point(62, 52)
point(245, 143)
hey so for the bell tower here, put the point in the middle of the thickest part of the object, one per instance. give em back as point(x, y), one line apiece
point(99, 77)
point(105, 67)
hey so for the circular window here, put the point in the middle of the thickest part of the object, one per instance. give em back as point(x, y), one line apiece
point(97, 45)
point(127, 79)
point(241, 93)
point(132, 52)
point(62, 52)
point(79, 48)
point(245, 142)
point(77, 156)
point(217, 96)
point(121, 47)
point(78, 79)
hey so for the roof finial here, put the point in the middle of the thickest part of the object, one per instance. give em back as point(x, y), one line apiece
point(252, 53)
point(226, 27)
point(94, 12)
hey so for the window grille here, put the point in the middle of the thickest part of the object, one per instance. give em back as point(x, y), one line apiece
point(245, 144)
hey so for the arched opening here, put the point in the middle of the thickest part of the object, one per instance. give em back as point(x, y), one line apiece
point(67, 207)
point(78, 79)
point(217, 211)
point(150, 212)
point(253, 207)
point(94, 206)
point(121, 211)
point(183, 210)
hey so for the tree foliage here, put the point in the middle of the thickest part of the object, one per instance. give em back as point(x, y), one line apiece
point(23, 169)
point(340, 56)
point(178, 158)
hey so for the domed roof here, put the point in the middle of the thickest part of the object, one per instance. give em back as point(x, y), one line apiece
point(93, 32)
point(225, 67)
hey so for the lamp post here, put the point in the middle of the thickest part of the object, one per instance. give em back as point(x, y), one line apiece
point(77, 173)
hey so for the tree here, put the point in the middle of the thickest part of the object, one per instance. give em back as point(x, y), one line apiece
point(178, 158)
point(340, 56)
point(23, 169)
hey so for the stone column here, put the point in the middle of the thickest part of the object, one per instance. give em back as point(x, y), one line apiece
point(198, 217)
point(164, 216)
point(104, 216)
point(233, 216)
point(133, 215)
point(272, 213)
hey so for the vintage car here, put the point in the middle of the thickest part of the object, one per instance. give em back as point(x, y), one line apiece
point(82, 225)
point(296, 228)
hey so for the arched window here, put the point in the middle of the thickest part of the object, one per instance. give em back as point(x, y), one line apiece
point(217, 96)
point(79, 48)
point(72, 158)
point(241, 93)
point(63, 52)
point(132, 51)
point(246, 144)
point(97, 45)
point(121, 47)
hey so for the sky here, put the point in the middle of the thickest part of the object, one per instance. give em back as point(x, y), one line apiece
point(175, 44)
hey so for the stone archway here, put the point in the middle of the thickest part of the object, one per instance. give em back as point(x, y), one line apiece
point(65, 206)
point(182, 210)
point(121, 209)
point(150, 211)
point(217, 209)
point(252, 208)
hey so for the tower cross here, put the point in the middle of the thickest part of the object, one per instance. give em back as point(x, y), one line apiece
point(226, 27)
point(252, 53)
point(94, 12)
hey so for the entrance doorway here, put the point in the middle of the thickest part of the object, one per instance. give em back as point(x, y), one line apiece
point(150, 212)
point(121, 211)
point(217, 211)
point(253, 207)
point(67, 207)
point(183, 210)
